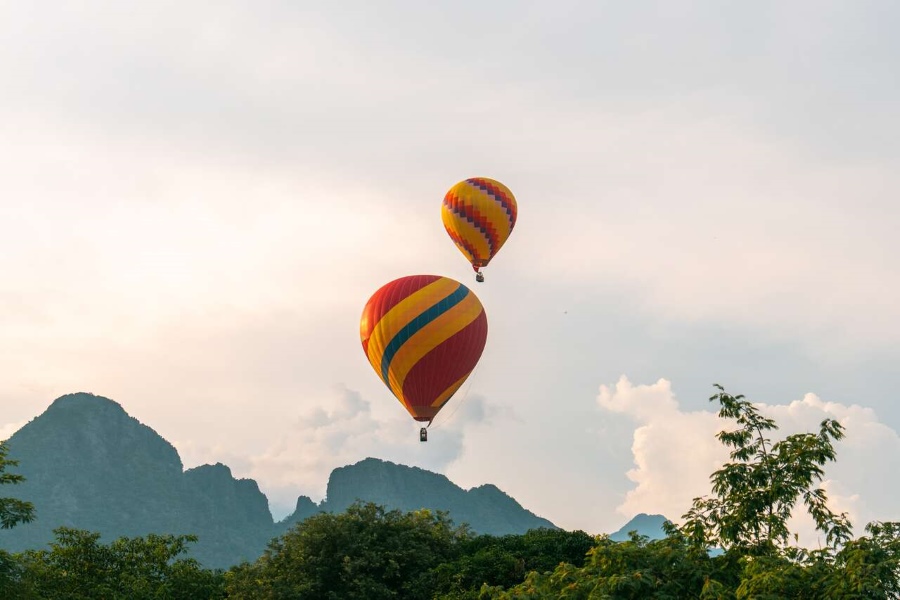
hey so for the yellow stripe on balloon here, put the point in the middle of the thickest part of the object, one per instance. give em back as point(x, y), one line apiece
point(469, 233)
point(450, 391)
point(430, 337)
point(402, 313)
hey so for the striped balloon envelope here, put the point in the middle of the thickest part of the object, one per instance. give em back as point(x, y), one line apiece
point(423, 335)
point(479, 215)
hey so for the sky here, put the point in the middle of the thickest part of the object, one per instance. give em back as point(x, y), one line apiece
point(198, 198)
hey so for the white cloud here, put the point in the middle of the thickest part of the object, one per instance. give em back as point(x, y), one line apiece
point(675, 452)
point(342, 430)
point(862, 481)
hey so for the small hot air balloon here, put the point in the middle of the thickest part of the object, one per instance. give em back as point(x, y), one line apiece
point(479, 214)
point(423, 335)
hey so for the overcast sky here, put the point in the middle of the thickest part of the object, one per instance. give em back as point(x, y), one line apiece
point(198, 198)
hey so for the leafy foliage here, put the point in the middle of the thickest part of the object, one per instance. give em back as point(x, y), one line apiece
point(12, 510)
point(367, 553)
point(747, 515)
point(638, 568)
point(504, 561)
point(868, 566)
point(79, 567)
point(755, 494)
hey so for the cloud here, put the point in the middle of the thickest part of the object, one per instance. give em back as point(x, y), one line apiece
point(675, 452)
point(342, 430)
point(862, 480)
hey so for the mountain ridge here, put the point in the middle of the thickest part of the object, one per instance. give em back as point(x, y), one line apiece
point(89, 464)
point(644, 524)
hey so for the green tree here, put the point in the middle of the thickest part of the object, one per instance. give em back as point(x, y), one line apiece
point(755, 494)
point(868, 567)
point(9, 576)
point(367, 553)
point(753, 497)
point(671, 568)
point(793, 573)
point(12, 510)
point(506, 560)
point(79, 567)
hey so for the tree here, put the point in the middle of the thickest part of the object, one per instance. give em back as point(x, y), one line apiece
point(637, 568)
point(868, 566)
point(366, 553)
point(12, 510)
point(753, 497)
point(79, 567)
point(755, 493)
point(505, 560)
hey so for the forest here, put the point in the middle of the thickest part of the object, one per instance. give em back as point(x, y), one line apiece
point(733, 543)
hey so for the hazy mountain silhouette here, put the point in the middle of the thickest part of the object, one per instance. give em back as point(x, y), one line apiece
point(648, 525)
point(485, 508)
point(89, 465)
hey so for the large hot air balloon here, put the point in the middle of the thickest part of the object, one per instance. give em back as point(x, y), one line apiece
point(479, 214)
point(423, 335)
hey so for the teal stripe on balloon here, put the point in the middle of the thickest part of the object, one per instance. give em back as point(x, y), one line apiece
point(420, 321)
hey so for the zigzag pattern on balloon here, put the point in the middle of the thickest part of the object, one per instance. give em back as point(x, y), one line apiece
point(494, 190)
point(472, 216)
point(464, 246)
point(479, 214)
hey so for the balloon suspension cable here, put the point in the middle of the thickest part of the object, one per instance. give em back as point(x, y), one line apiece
point(460, 403)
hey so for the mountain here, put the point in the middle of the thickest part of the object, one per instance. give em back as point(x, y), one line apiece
point(486, 509)
point(648, 525)
point(90, 465)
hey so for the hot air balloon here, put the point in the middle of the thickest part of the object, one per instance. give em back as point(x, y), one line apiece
point(423, 335)
point(479, 214)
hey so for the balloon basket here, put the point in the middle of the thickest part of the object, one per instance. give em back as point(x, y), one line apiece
point(423, 435)
point(479, 277)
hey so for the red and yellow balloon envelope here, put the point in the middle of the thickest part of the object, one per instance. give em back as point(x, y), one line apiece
point(423, 335)
point(479, 214)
